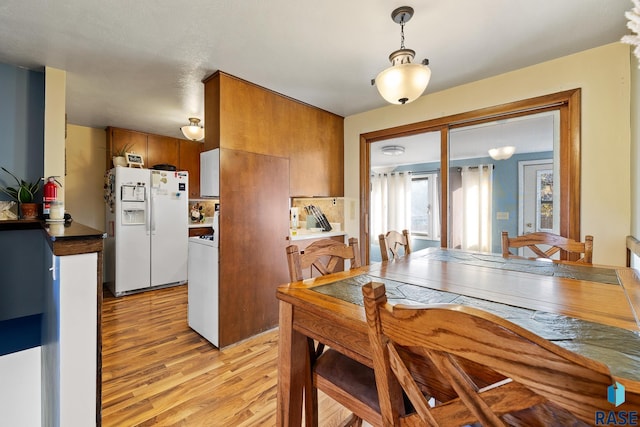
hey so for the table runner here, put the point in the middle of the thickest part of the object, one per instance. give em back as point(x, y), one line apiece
point(541, 267)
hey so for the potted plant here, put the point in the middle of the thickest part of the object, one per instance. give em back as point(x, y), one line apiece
point(119, 158)
point(24, 193)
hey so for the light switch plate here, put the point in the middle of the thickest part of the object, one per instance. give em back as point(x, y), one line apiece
point(502, 215)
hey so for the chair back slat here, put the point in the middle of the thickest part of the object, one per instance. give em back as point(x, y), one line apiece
point(533, 241)
point(323, 255)
point(392, 242)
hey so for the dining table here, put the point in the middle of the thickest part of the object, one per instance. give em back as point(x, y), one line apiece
point(591, 310)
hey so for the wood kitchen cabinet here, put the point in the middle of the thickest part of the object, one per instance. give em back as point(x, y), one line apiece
point(272, 147)
point(162, 150)
point(190, 161)
point(200, 231)
point(258, 120)
point(118, 138)
point(254, 208)
point(157, 150)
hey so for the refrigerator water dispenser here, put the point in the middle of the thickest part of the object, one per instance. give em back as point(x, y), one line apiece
point(133, 216)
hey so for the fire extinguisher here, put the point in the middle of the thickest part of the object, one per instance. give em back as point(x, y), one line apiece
point(50, 191)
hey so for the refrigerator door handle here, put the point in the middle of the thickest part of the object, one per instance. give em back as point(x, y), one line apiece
point(153, 215)
point(148, 212)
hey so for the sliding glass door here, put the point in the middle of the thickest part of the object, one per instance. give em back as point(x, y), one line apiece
point(478, 194)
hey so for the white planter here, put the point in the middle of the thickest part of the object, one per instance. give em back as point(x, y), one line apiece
point(119, 161)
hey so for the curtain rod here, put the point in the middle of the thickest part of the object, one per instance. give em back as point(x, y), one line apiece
point(476, 167)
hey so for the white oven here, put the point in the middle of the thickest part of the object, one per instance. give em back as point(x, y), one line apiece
point(203, 284)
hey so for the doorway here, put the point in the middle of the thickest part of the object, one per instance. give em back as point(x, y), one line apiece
point(538, 197)
point(566, 155)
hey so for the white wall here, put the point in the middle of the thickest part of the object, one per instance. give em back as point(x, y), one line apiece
point(603, 74)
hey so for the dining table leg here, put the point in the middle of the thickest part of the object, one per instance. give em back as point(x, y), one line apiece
point(291, 370)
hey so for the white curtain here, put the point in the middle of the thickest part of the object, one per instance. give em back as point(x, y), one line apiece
point(477, 183)
point(390, 203)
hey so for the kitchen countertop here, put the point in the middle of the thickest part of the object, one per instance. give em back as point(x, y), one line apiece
point(64, 238)
point(303, 234)
point(208, 222)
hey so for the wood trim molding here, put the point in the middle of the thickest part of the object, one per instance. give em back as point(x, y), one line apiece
point(567, 102)
point(365, 197)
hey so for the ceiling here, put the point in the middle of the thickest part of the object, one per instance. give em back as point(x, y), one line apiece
point(140, 64)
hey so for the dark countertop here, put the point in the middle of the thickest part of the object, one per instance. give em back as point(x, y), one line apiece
point(64, 238)
point(22, 224)
point(72, 230)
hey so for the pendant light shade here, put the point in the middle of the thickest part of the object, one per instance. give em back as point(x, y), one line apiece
point(194, 130)
point(404, 81)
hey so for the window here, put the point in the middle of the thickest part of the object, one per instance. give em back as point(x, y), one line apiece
point(544, 208)
point(425, 206)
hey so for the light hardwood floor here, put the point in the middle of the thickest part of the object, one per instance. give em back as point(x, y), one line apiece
point(157, 371)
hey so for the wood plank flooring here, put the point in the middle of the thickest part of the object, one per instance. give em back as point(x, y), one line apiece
point(156, 371)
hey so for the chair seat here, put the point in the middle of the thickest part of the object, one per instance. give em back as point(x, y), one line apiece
point(349, 375)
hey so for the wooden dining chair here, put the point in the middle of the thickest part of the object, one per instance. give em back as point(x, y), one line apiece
point(392, 242)
point(345, 380)
point(555, 243)
point(633, 248)
point(543, 384)
point(323, 256)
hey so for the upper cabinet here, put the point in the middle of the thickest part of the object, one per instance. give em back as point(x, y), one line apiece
point(240, 115)
point(190, 161)
point(162, 150)
point(159, 150)
point(136, 142)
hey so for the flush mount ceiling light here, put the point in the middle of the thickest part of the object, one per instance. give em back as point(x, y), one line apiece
point(502, 153)
point(404, 81)
point(194, 130)
point(392, 150)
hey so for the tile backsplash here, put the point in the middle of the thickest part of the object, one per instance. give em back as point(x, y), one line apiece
point(208, 207)
point(332, 207)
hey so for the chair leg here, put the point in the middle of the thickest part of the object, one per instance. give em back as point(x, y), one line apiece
point(319, 349)
point(310, 392)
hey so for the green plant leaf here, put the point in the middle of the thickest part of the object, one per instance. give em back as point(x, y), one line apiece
point(25, 195)
point(24, 192)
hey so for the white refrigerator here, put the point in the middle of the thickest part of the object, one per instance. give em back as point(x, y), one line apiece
point(147, 229)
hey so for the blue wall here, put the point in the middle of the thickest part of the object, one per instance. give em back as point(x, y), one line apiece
point(22, 124)
point(506, 194)
point(22, 260)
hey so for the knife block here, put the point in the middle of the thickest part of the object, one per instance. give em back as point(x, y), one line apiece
point(312, 222)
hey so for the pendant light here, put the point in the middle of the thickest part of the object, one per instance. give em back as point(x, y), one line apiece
point(194, 130)
point(404, 81)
